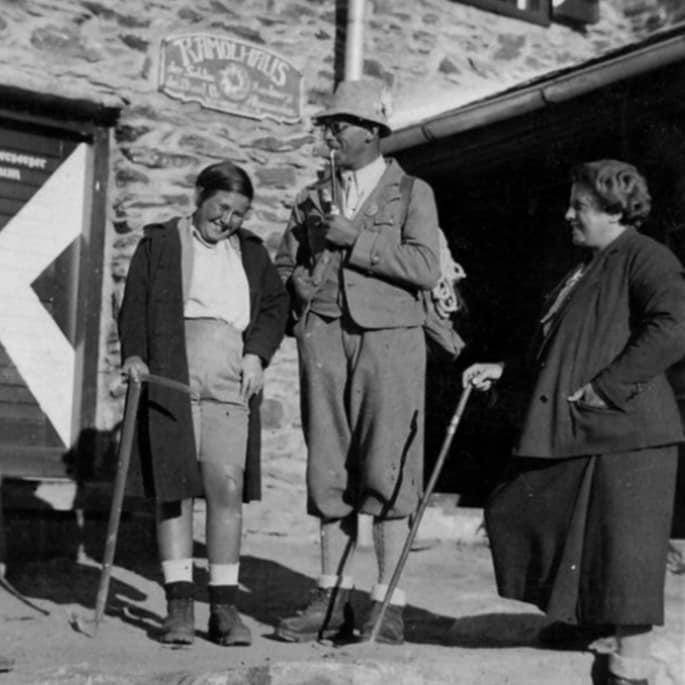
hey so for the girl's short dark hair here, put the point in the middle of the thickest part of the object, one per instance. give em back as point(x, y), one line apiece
point(618, 187)
point(224, 176)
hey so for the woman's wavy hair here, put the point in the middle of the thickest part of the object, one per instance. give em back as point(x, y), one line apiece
point(223, 176)
point(618, 187)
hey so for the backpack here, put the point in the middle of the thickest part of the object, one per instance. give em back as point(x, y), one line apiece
point(441, 301)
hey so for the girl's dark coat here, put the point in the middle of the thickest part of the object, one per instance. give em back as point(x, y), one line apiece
point(151, 326)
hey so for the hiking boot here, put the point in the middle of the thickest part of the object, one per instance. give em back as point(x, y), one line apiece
point(391, 631)
point(328, 615)
point(179, 625)
point(226, 628)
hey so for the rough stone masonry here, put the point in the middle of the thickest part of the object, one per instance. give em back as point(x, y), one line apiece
point(432, 53)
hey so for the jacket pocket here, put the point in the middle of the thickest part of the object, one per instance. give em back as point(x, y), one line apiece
point(604, 427)
point(584, 406)
point(383, 219)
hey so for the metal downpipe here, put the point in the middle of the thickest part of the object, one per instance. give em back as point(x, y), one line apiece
point(354, 40)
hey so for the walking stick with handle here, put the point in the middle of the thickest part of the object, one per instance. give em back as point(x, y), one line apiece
point(125, 446)
point(423, 503)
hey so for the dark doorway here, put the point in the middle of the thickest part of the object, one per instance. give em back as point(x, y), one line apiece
point(502, 192)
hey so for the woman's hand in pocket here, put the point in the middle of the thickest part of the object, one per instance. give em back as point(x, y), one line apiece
point(588, 395)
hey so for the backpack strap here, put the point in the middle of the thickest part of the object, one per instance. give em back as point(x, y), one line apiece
point(406, 186)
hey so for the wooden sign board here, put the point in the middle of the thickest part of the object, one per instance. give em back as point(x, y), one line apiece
point(42, 199)
point(230, 75)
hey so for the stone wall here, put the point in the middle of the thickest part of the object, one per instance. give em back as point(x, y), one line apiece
point(651, 15)
point(435, 55)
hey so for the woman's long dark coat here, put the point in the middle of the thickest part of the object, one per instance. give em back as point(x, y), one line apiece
point(620, 328)
point(581, 528)
point(151, 326)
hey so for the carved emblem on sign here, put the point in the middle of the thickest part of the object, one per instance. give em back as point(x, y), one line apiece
point(230, 75)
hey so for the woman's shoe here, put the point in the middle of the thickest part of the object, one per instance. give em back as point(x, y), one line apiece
point(179, 625)
point(625, 670)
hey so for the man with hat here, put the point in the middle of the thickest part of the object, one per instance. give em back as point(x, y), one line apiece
point(355, 268)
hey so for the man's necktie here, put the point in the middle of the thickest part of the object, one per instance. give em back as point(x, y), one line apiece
point(351, 195)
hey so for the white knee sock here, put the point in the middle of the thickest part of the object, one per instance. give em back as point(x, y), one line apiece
point(223, 574)
point(177, 570)
point(327, 581)
point(379, 590)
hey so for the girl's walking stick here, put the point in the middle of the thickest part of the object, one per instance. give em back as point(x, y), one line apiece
point(125, 446)
point(423, 503)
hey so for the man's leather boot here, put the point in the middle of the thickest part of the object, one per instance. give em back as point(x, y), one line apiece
point(391, 630)
point(225, 625)
point(328, 615)
point(179, 625)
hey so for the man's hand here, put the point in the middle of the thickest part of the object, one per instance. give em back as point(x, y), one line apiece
point(252, 376)
point(340, 232)
point(588, 395)
point(133, 368)
point(482, 376)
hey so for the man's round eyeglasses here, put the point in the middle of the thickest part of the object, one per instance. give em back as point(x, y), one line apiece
point(335, 127)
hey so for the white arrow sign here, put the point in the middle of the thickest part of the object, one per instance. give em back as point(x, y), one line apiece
point(43, 228)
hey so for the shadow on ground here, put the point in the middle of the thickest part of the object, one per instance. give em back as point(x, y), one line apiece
point(67, 582)
point(269, 591)
point(495, 630)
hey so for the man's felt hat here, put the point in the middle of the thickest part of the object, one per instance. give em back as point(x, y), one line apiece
point(365, 99)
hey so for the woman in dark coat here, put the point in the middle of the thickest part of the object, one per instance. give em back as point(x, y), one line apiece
point(581, 522)
point(205, 306)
